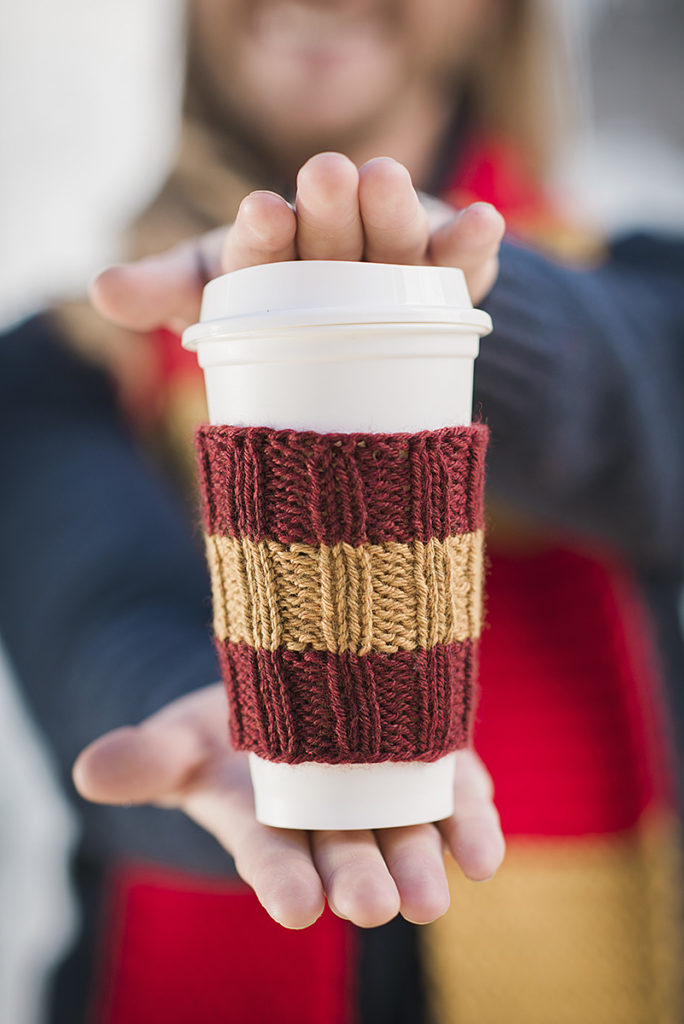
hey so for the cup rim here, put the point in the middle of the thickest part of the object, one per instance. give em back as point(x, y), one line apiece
point(475, 321)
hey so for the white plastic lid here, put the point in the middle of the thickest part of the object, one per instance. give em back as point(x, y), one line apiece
point(303, 293)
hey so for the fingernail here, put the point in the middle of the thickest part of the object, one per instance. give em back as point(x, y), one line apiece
point(383, 160)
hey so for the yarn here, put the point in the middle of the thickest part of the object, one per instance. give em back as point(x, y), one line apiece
point(384, 597)
point(301, 486)
point(347, 587)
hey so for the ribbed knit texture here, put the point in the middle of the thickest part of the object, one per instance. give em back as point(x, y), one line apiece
point(347, 584)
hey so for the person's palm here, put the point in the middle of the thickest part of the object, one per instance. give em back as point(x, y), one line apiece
point(181, 757)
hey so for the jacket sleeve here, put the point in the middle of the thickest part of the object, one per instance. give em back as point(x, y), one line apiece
point(582, 385)
point(104, 605)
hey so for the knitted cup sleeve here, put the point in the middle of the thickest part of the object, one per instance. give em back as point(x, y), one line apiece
point(346, 575)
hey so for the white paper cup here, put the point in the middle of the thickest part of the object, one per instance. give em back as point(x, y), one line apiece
point(336, 346)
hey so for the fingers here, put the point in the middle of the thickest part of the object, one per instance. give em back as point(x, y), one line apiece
point(341, 214)
point(166, 290)
point(370, 878)
point(282, 875)
point(415, 859)
point(355, 877)
point(160, 291)
point(345, 214)
point(473, 833)
point(152, 761)
point(137, 765)
point(275, 863)
point(395, 223)
point(328, 219)
point(181, 757)
point(263, 232)
point(471, 241)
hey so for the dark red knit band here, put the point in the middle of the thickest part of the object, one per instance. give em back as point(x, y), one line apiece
point(298, 706)
point(301, 486)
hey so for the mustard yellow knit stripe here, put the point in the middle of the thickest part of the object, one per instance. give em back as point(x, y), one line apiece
point(374, 597)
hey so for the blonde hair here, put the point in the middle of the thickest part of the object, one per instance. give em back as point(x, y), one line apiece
point(521, 83)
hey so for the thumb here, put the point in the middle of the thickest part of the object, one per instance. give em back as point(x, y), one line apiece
point(159, 291)
point(139, 764)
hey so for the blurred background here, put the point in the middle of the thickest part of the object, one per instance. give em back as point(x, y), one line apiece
point(88, 104)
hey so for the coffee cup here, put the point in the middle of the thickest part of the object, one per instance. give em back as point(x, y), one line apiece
point(342, 348)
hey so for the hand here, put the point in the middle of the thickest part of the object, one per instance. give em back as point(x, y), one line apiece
point(340, 213)
point(181, 757)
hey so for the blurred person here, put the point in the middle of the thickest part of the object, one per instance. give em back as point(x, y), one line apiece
point(101, 565)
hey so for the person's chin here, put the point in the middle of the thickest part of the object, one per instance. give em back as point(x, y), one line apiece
point(311, 127)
